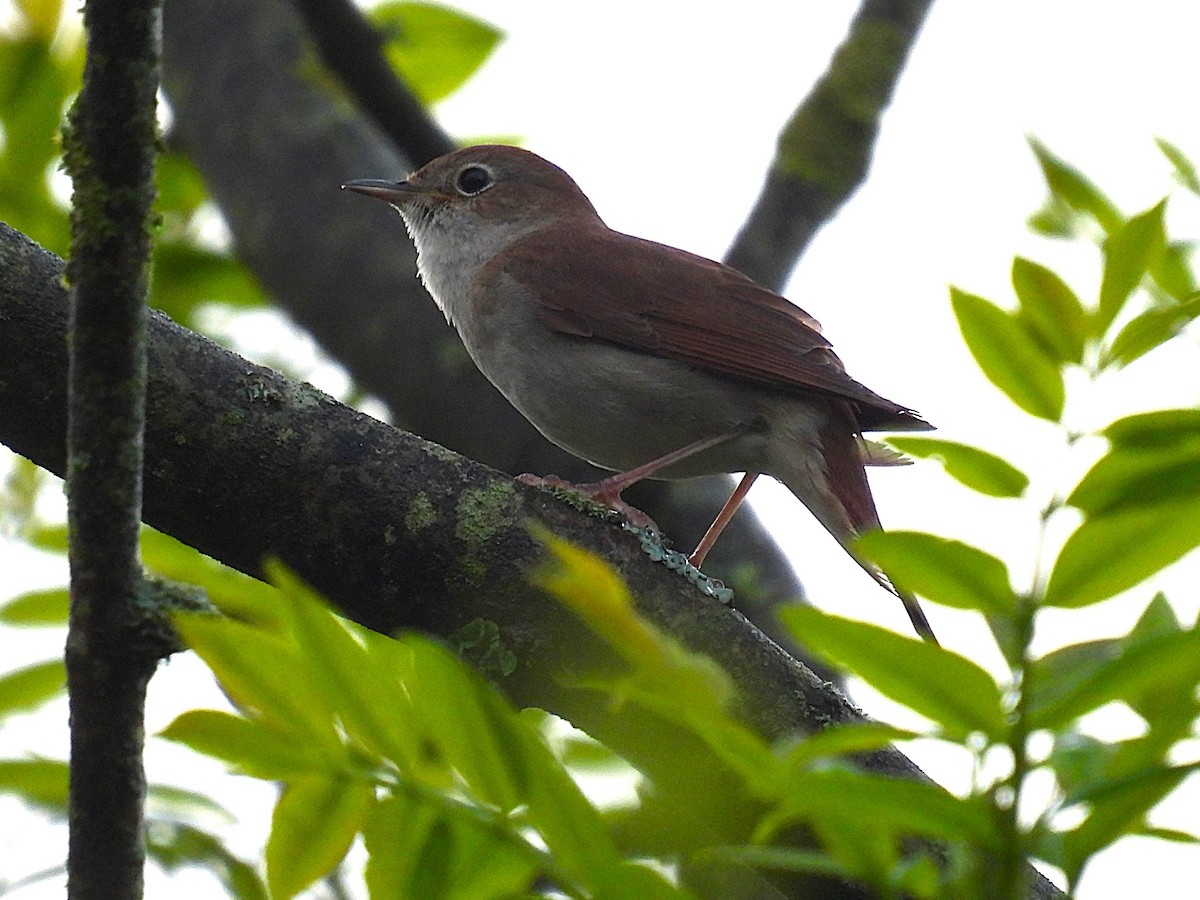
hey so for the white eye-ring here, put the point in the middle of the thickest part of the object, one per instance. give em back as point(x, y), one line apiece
point(473, 180)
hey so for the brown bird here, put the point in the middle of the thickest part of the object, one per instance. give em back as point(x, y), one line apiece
point(638, 357)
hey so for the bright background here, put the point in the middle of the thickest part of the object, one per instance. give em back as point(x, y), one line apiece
point(667, 114)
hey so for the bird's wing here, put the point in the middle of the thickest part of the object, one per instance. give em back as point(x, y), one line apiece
point(690, 309)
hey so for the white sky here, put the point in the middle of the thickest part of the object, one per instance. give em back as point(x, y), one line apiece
point(667, 113)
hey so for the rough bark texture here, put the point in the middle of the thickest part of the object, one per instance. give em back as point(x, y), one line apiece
point(109, 150)
point(396, 531)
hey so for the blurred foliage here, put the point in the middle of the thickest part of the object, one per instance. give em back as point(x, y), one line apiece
point(435, 49)
point(41, 63)
point(398, 745)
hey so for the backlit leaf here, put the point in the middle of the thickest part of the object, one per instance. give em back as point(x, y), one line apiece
point(1129, 252)
point(1009, 356)
point(39, 782)
point(252, 747)
point(37, 608)
point(1075, 190)
point(1111, 553)
point(1051, 309)
point(1158, 429)
point(1113, 809)
point(1185, 169)
point(435, 49)
point(1077, 680)
point(977, 469)
point(1127, 478)
point(945, 571)
point(315, 821)
point(943, 686)
point(1149, 330)
point(30, 687)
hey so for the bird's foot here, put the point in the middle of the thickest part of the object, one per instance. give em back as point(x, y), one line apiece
point(606, 492)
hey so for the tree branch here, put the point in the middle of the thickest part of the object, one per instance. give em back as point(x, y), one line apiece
point(397, 532)
point(825, 149)
point(353, 49)
point(109, 151)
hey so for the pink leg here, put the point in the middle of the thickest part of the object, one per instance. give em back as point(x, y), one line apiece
point(608, 490)
point(722, 519)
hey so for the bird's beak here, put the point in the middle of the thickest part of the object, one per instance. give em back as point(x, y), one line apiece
point(394, 192)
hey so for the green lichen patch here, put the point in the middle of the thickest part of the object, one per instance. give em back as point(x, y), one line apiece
point(483, 512)
point(420, 514)
point(479, 643)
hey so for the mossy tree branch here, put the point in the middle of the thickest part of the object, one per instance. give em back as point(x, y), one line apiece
point(110, 145)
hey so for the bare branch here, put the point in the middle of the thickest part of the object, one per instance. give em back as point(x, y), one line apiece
point(825, 149)
point(352, 48)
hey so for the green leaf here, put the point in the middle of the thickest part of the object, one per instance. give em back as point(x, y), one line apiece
point(948, 572)
point(252, 747)
point(1185, 169)
point(1161, 428)
point(906, 806)
point(51, 538)
point(39, 782)
point(782, 859)
point(1150, 330)
point(1076, 680)
point(180, 187)
point(433, 48)
point(174, 845)
point(1128, 254)
point(1138, 478)
point(943, 686)
point(1075, 190)
point(977, 469)
point(42, 16)
point(417, 850)
point(1009, 356)
point(236, 595)
point(37, 608)
point(315, 821)
point(841, 739)
point(1111, 553)
point(33, 88)
point(186, 276)
point(1114, 808)
point(1079, 759)
point(1050, 309)
point(1173, 271)
point(453, 712)
point(368, 698)
point(166, 801)
point(30, 687)
point(1167, 834)
point(263, 673)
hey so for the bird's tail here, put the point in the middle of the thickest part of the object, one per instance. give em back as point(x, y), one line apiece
point(838, 494)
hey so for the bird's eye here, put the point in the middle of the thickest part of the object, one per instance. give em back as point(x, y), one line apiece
point(473, 180)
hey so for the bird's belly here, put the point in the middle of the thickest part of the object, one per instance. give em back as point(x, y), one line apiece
point(619, 409)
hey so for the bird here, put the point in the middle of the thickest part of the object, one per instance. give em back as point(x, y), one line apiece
point(641, 358)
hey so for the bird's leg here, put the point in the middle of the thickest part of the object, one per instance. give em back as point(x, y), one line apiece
point(722, 519)
point(608, 490)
